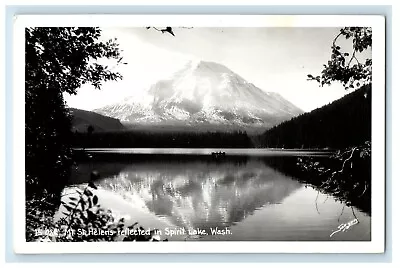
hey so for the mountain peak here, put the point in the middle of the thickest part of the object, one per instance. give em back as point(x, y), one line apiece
point(210, 66)
point(202, 68)
point(205, 92)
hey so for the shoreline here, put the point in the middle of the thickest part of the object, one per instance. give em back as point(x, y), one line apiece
point(122, 208)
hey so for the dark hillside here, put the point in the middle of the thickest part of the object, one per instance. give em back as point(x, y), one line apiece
point(83, 119)
point(342, 123)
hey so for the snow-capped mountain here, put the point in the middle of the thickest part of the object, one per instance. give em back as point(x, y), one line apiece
point(203, 93)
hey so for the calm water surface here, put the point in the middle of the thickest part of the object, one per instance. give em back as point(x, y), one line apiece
point(249, 195)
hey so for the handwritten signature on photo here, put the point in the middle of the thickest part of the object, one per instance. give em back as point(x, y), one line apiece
point(345, 226)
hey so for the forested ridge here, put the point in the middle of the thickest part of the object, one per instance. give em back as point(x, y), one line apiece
point(342, 123)
point(140, 139)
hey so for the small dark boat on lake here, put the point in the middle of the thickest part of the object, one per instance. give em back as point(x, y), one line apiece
point(218, 154)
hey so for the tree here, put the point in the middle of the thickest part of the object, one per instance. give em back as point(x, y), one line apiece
point(352, 173)
point(90, 130)
point(345, 67)
point(58, 60)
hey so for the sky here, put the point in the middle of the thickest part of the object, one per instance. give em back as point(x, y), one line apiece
point(275, 59)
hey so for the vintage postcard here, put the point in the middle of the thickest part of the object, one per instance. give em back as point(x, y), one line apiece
point(199, 133)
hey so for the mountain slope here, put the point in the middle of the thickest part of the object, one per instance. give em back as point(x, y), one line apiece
point(345, 122)
point(83, 119)
point(204, 93)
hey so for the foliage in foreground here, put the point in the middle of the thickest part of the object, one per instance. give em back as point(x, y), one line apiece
point(84, 220)
point(345, 67)
point(58, 60)
point(347, 177)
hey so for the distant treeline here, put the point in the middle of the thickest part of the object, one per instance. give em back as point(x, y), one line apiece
point(344, 122)
point(135, 139)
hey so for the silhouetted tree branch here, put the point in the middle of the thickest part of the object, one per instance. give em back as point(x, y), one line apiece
point(350, 75)
point(163, 30)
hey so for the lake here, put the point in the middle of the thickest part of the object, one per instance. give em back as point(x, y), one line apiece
point(248, 195)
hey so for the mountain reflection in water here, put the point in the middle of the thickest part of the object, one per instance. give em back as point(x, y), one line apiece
point(199, 193)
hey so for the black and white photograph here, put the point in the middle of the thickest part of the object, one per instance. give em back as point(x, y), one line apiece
point(181, 133)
